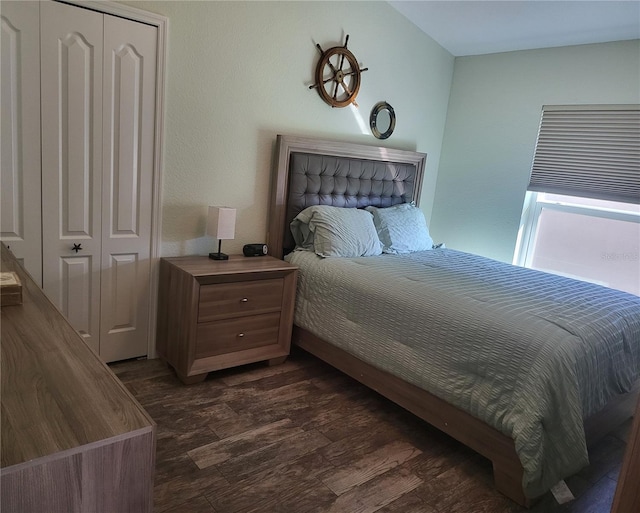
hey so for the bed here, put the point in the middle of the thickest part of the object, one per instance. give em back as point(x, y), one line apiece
point(525, 368)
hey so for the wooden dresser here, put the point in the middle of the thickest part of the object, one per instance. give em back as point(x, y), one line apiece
point(73, 438)
point(214, 314)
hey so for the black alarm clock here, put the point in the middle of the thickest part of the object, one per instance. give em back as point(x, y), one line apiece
point(255, 250)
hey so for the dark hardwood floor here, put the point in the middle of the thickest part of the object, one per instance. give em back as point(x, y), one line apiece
point(303, 438)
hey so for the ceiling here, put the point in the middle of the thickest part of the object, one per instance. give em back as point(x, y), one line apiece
point(478, 27)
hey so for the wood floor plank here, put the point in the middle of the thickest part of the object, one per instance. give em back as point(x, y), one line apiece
point(172, 494)
point(264, 456)
point(408, 503)
point(370, 466)
point(468, 481)
point(260, 371)
point(130, 371)
point(300, 502)
point(282, 487)
point(170, 467)
point(225, 421)
point(171, 442)
point(193, 505)
point(318, 409)
point(428, 466)
point(323, 410)
point(375, 494)
point(222, 450)
point(189, 416)
point(354, 420)
point(270, 397)
point(271, 411)
point(356, 445)
point(448, 487)
point(167, 389)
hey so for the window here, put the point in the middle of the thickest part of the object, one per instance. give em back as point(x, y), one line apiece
point(588, 239)
point(581, 216)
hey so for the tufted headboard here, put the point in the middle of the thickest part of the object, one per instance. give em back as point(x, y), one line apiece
point(316, 172)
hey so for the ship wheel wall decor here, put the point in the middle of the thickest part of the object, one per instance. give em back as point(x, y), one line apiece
point(338, 76)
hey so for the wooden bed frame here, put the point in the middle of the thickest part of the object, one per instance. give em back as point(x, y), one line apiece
point(472, 432)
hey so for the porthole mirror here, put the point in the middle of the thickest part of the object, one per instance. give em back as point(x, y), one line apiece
point(382, 120)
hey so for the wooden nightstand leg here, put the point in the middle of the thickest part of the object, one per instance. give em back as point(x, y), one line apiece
point(276, 361)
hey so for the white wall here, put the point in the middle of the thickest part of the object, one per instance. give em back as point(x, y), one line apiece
point(238, 75)
point(492, 124)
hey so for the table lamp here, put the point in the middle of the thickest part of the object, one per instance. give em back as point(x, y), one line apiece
point(221, 224)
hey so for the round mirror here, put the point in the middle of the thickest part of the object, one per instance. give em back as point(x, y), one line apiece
point(382, 120)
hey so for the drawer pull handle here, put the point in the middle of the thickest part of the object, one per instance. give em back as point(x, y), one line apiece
point(240, 335)
point(244, 300)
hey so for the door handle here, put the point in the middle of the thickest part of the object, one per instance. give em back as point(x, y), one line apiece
point(77, 247)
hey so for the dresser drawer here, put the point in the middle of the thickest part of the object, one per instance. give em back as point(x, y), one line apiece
point(237, 334)
point(225, 300)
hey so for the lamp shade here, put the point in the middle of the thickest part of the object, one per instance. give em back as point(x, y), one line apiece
point(221, 222)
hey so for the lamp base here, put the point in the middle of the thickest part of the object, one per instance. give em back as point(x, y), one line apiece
point(218, 256)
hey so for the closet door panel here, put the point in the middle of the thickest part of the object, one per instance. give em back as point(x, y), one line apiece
point(20, 211)
point(71, 49)
point(128, 131)
point(76, 299)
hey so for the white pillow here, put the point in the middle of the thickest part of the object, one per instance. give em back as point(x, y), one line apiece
point(401, 228)
point(336, 232)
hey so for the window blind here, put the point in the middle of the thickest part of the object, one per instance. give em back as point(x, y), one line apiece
point(591, 151)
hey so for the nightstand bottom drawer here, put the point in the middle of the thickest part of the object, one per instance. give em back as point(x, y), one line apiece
point(237, 334)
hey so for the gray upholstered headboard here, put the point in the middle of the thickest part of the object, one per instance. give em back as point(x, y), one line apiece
point(314, 172)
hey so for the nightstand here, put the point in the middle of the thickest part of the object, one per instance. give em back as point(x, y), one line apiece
point(218, 314)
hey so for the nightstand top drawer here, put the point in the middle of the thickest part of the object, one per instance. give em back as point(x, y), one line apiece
point(225, 300)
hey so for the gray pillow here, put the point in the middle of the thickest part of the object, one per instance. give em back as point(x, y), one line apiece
point(401, 228)
point(336, 232)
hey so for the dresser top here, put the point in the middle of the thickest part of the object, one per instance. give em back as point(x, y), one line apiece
point(57, 395)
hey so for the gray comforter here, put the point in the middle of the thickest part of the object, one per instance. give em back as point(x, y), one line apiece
point(530, 353)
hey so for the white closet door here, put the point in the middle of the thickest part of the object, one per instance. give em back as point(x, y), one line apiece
point(71, 51)
point(20, 212)
point(128, 133)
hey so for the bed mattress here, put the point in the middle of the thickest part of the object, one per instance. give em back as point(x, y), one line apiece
point(529, 353)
